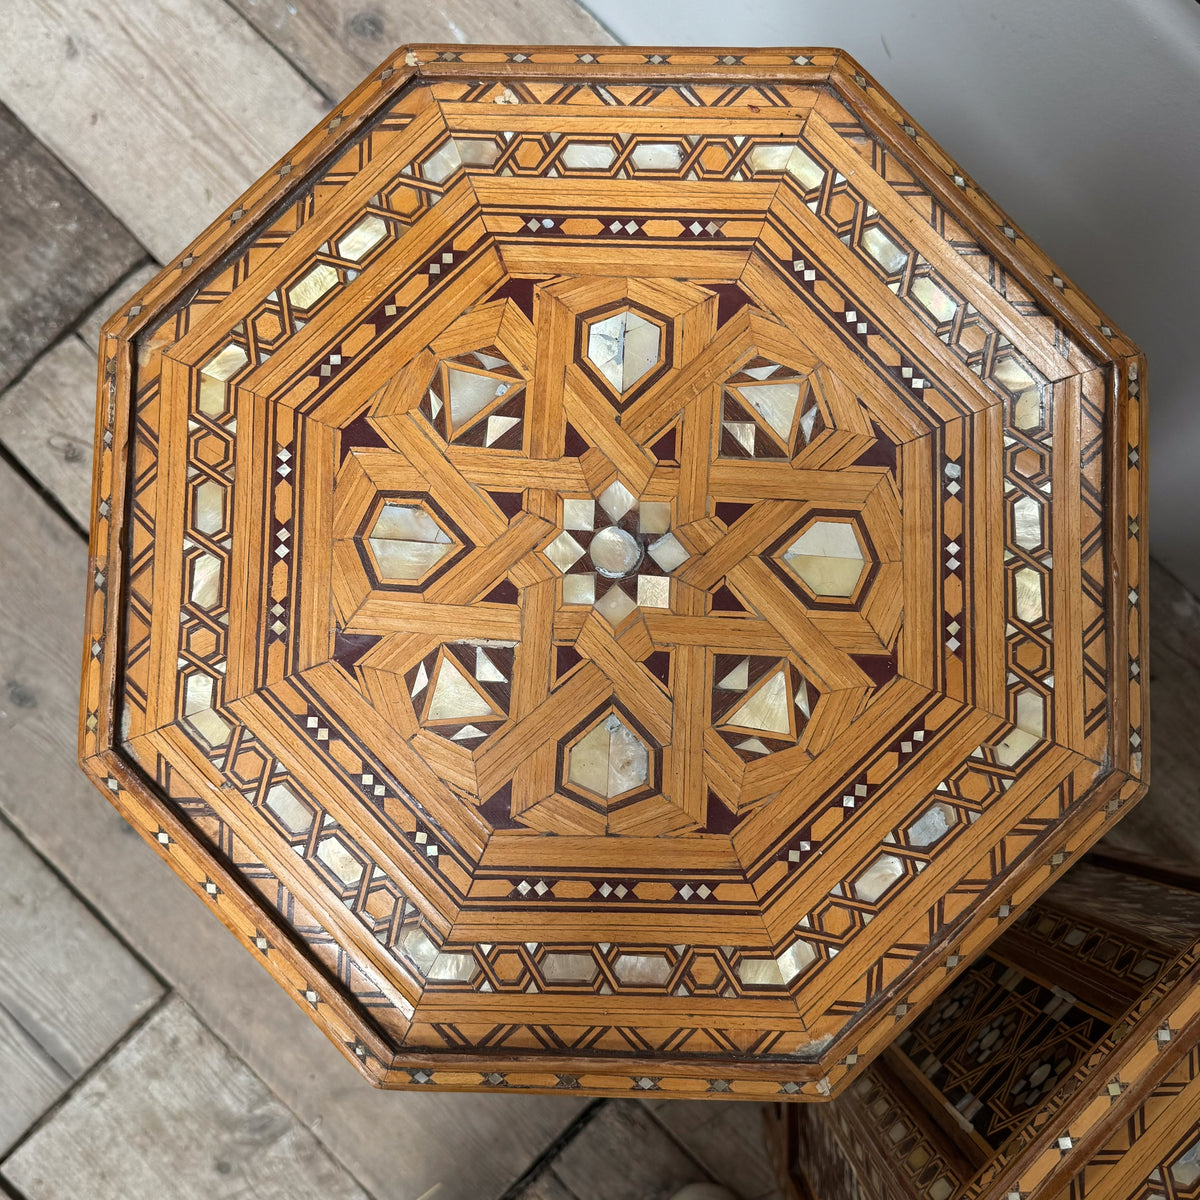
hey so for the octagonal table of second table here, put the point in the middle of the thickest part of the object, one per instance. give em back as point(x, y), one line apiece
point(616, 571)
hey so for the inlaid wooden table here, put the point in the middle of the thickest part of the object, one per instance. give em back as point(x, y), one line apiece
point(617, 570)
point(1063, 1065)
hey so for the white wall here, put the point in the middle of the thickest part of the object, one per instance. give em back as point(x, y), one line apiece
point(1081, 118)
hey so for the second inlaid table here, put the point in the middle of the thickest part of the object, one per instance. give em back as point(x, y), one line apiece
point(617, 570)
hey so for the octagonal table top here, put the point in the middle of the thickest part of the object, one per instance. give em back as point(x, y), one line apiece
point(616, 570)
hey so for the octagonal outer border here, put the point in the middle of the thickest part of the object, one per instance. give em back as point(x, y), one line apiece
point(890, 126)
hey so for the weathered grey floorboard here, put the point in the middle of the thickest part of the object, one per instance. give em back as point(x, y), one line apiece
point(165, 112)
point(727, 1140)
point(547, 1186)
point(47, 419)
point(624, 1154)
point(336, 42)
point(474, 1147)
point(65, 981)
point(60, 250)
point(30, 1082)
point(1166, 824)
point(173, 1113)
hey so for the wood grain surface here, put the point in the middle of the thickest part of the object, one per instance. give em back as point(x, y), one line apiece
point(60, 248)
point(335, 43)
point(193, 106)
point(119, 1133)
point(46, 421)
point(69, 992)
point(1165, 827)
point(652, 1166)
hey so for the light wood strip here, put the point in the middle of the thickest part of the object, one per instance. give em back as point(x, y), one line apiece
point(1063, 525)
point(688, 688)
point(498, 757)
point(633, 462)
point(485, 568)
point(722, 633)
point(663, 1012)
point(170, 494)
point(534, 659)
point(763, 522)
point(776, 123)
point(626, 196)
point(647, 702)
point(250, 562)
point(592, 923)
point(987, 595)
point(542, 258)
point(921, 576)
point(387, 692)
point(533, 782)
point(387, 471)
point(845, 858)
point(771, 597)
point(544, 413)
point(312, 544)
point(693, 440)
point(509, 474)
point(729, 480)
point(883, 606)
point(350, 586)
point(382, 613)
point(451, 764)
point(353, 491)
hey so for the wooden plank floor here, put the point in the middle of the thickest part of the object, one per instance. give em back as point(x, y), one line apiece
point(143, 1053)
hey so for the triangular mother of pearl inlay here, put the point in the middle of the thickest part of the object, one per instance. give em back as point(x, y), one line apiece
point(766, 709)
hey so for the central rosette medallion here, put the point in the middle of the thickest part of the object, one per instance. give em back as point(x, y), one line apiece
point(627, 555)
point(616, 553)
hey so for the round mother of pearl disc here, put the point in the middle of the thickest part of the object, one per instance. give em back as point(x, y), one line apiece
point(614, 552)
